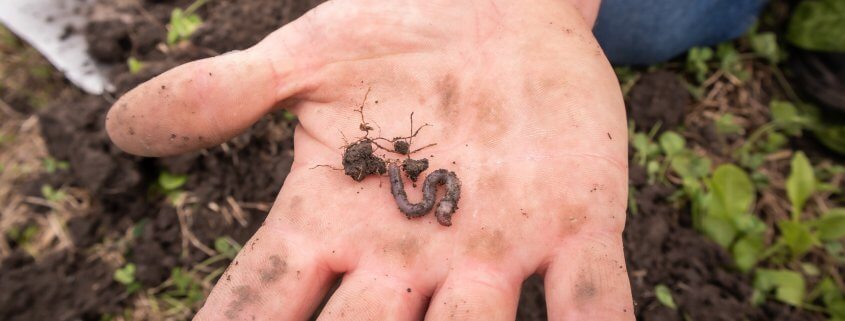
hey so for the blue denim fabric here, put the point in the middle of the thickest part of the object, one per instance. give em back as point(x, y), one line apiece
point(643, 32)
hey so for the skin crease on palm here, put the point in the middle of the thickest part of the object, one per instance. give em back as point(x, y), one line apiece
point(523, 106)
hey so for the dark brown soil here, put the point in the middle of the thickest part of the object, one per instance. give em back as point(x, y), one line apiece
point(660, 246)
point(658, 98)
point(360, 162)
point(414, 167)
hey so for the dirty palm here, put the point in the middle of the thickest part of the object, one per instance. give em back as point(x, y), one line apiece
point(522, 106)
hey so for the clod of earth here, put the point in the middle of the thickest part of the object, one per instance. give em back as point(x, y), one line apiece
point(413, 167)
point(445, 208)
point(401, 147)
point(360, 162)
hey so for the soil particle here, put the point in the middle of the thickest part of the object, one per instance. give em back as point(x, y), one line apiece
point(401, 147)
point(360, 162)
point(658, 98)
point(414, 167)
point(109, 40)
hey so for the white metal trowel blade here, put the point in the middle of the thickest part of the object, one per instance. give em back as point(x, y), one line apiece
point(43, 23)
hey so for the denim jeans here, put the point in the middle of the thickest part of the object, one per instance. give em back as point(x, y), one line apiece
point(643, 32)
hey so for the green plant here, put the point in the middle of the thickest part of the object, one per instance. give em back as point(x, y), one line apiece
point(765, 45)
point(126, 276)
point(183, 23)
point(730, 62)
point(52, 195)
point(726, 125)
point(226, 247)
point(831, 296)
point(800, 184)
point(170, 185)
point(818, 25)
point(51, 165)
point(289, 116)
point(831, 226)
point(697, 59)
point(134, 65)
point(185, 291)
point(788, 286)
point(664, 296)
point(722, 213)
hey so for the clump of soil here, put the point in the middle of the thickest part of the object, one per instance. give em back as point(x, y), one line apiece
point(658, 98)
point(414, 167)
point(360, 162)
point(402, 147)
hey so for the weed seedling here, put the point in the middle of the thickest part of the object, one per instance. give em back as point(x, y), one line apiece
point(183, 24)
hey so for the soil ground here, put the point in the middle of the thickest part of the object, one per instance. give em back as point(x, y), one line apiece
point(112, 217)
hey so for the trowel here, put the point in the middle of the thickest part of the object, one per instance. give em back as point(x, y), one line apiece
point(55, 28)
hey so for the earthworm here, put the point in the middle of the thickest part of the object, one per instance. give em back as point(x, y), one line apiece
point(445, 208)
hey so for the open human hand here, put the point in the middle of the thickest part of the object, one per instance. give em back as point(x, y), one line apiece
point(523, 107)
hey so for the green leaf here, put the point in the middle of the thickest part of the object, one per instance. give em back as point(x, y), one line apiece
point(785, 115)
point(664, 295)
point(221, 245)
point(135, 65)
point(730, 62)
point(818, 25)
point(171, 182)
point(766, 45)
point(800, 184)
point(697, 59)
point(810, 269)
point(746, 252)
point(831, 134)
point(831, 226)
point(289, 116)
point(732, 190)
point(720, 229)
point(672, 143)
point(125, 275)
point(51, 194)
point(182, 25)
point(227, 247)
point(644, 147)
point(689, 165)
point(788, 285)
point(832, 297)
point(797, 237)
point(182, 280)
point(726, 125)
point(774, 141)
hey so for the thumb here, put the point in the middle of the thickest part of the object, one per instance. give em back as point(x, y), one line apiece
point(205, 102)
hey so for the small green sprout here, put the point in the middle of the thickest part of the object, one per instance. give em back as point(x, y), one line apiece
point(51, 165)
point(134, 65)
point(664, 295)
point(183, 23)
point(788, 286)
point(697, 59)
point(126, 276)
point(51, 194)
